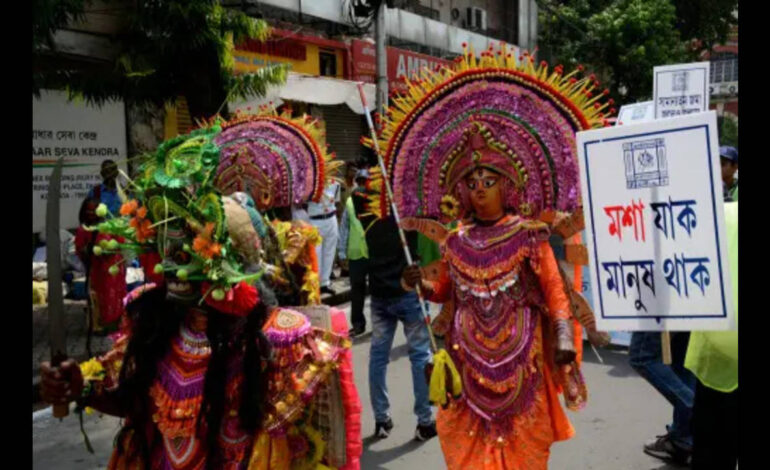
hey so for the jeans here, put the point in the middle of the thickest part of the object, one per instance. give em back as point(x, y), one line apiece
point(386, 314)
point(674, 382)
point(327, 249)
point(358, 273)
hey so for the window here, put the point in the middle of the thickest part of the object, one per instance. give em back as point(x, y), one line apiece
point(724, 68)
point(328, 63)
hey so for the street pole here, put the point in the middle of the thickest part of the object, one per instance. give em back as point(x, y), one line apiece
point(380, 39)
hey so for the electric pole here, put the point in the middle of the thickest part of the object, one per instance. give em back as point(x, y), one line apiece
point(380, 41)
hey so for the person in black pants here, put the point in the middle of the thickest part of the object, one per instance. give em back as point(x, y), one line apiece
point(352, 247)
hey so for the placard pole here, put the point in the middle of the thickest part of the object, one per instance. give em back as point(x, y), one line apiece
point(665, 343)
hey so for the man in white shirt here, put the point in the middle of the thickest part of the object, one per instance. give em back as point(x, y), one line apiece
point(323, 215)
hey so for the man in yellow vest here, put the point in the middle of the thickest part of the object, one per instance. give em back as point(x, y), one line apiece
point(352, 247)
point(713, 357)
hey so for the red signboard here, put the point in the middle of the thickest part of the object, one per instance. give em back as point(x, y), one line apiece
point(282, 48)
point(364, 61)
point(401, 63)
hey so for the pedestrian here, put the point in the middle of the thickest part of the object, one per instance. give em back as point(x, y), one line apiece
point(713, 357)
point(323, 215)
point(674, 382)
point(728, 157)
point(391, 304)
point(105, 273)
point(353, 249)
point(349, 185)
point(107, 191)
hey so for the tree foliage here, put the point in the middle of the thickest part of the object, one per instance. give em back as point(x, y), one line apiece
point(622, 40)
point(728, 131)
point(165, 49)
point(706, 21)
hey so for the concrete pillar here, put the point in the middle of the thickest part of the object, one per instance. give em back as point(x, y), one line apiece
point(527, 24)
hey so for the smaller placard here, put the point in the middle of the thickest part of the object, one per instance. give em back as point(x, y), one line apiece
point(680, 89)
point(634, 113)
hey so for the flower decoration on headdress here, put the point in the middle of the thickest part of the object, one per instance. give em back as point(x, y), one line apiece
point(178, 222)
point(499, 112)
point(204, 246)
point(279, 160)
point(142, 226)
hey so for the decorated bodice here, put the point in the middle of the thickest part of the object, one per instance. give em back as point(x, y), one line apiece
point(498, 301)
point(303, 357)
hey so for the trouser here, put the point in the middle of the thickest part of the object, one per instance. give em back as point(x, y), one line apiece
point(674, 382)
point(386, 313)
point(358, 273)
point(326, 250)
point(715, 429)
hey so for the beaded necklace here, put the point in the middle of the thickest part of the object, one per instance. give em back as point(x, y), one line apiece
point(178, 388)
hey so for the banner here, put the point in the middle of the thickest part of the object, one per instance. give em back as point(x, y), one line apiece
point(85, 136)
point(652, 196)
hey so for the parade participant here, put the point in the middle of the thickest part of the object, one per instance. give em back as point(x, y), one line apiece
point(212, 373)
point(728, 157)
point(713, 357)
point(353, 249)
point(492, 144)
point(674, 382)
point(280, 163)
point(323, 216)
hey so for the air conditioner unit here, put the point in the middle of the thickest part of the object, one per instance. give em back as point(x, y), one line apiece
point(476, 18)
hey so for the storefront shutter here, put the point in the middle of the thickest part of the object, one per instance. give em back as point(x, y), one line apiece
point(344, 129)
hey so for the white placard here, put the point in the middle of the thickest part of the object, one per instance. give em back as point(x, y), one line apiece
point(85, 136)
point(680, 89)
point(634, 113)
point(652, 196)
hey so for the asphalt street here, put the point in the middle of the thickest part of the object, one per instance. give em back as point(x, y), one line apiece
point(623, 412)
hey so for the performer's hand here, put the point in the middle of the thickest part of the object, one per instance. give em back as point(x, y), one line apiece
point(60, 385)
point(412, 275)
point(564, 356)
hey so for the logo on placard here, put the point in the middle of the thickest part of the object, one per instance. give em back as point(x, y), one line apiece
point(645, 162)
point(679, 81)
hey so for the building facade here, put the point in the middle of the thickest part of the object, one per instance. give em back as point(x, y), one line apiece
point(724, 77)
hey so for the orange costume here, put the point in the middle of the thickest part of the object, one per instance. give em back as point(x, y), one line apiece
point(490, 143)
point(497, 328)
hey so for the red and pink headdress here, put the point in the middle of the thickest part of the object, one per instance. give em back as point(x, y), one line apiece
point(506, 115)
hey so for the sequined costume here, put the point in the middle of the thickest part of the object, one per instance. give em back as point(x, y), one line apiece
point(508, 313)
point(297, 240)
point(504, 288)
point(207, 253)
point(305, 355)
point(279, 161)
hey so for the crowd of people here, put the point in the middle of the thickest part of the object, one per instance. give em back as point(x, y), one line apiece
point(226, 358)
